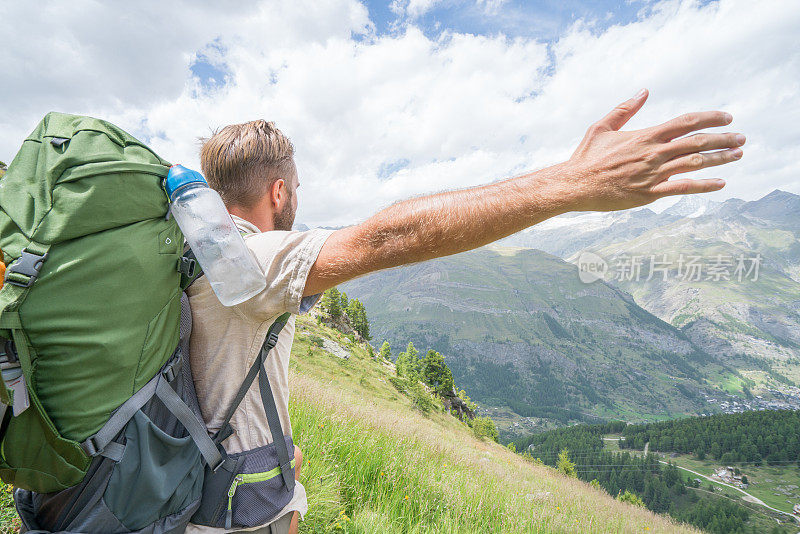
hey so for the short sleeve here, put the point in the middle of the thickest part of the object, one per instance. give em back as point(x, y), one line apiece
point(285, 258)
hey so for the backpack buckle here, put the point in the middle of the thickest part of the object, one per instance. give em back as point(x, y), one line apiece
point(272, 340)
point(24, 270)
point(171, 370)
point(186, 266)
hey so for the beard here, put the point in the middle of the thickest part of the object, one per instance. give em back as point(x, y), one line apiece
point(285, 218)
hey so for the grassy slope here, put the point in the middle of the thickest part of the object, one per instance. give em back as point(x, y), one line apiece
point(374, 464)
point(371, 457)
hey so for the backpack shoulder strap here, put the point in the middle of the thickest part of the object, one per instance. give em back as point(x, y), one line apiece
point(258, 369)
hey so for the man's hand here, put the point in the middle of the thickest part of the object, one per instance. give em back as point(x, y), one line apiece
point(610, 170)
point(618, 170)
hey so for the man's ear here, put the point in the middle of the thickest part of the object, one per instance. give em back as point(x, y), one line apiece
point(277, 192)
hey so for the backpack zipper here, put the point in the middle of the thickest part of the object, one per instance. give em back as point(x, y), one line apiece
point(247, 478)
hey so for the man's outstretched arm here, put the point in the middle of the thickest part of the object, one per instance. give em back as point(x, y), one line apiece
point(610, 170)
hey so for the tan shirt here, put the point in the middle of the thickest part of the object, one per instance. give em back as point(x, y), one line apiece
point(226, 340)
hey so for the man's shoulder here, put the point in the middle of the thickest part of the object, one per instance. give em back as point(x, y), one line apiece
point(285, 258)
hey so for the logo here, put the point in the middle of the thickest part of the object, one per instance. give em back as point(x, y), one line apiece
point(591, 267)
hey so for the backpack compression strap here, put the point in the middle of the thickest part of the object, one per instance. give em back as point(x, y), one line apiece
point(267, 399)
point(20, 276)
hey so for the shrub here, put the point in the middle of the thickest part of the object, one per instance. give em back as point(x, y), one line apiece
point(630, 498)
point(565, 465)
point(400, 384)
point(315, 340)
point(421, 399)
point(483, 427)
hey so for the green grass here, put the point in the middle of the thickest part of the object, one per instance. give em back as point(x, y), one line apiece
point(375, 463)
point(9, 521)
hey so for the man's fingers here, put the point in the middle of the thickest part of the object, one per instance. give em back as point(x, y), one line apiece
point(691, 122)
point(702, 142)
point(623, 112)
point(695, 162)
point(687, 186)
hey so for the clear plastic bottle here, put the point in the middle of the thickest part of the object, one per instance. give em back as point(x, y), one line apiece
point(217, 244)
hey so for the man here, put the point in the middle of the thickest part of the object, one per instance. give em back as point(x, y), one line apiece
point(252, 167)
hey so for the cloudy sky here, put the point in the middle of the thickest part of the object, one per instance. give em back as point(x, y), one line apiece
point(389, 99)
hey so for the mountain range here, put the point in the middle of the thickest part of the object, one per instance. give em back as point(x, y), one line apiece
point(525, 337)
point(536, 344)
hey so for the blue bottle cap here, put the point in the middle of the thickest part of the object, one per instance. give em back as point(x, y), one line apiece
point(178, 177)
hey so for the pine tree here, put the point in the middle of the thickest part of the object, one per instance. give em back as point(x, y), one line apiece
point(414, 362)
point(408, 363)
point(401, 364)
point(358, 318)
point(331, 303)
point(436, 374)
point(363, 321)
point(386, 351)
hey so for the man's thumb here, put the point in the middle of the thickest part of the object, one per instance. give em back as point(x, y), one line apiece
point(623, 112)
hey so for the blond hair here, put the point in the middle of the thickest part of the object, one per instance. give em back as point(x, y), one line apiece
point(241, 161)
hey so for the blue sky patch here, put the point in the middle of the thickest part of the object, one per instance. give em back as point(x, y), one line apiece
point(388, 168)
point(544, 20)
point(209, 66)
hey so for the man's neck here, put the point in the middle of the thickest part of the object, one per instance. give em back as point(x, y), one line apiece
point(262, 219)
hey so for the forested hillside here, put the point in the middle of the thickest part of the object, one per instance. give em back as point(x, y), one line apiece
point(769, 437)
point(661, 486)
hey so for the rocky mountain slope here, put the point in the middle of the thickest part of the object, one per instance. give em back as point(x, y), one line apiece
point(525, 336)
point(728, 277)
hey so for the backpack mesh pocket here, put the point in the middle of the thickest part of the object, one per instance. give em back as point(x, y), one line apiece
point(250, 493)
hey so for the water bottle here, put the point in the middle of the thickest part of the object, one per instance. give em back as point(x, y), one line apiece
point(217, 244)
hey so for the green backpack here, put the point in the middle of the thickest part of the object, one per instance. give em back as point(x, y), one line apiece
point(100, 426)
point(90, 313)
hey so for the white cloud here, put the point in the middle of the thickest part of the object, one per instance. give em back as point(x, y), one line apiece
point(433, 113)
